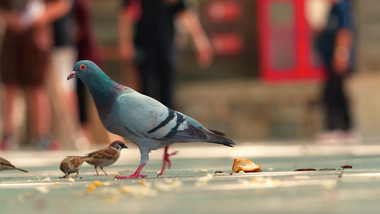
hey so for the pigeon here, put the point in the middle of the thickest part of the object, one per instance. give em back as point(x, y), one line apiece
point(6, 165)
point(143, 120)
point(71, 164)
point(106, 156)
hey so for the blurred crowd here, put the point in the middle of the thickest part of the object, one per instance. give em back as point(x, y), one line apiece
point(42, 40)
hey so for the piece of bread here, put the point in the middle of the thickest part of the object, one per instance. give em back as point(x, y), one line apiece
point(245, 165)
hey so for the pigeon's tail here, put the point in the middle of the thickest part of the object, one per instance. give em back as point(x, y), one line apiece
point(219, 138)
point(200, 134)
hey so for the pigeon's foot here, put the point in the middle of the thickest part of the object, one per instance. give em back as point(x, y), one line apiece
point(135, 175)
point(166, 160)
point(131, 176)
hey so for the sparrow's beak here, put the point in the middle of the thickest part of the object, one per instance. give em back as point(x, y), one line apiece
point(124, 146)
point(72, 75)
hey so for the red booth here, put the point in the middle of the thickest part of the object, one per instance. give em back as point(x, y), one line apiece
point(286, 51)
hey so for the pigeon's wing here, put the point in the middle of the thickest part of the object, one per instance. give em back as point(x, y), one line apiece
point(147, 117)
point(144, 116)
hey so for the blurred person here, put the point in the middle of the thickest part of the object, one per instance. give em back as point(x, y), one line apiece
point(62, 92)
point(86, 50)
point(64, 56)
point(336, 46)
point(24, 64)
point(146, 35)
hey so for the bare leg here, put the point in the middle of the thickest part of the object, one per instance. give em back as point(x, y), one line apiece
point(166, 160)
point(39, 109)
point(135, 175)
point(103, 171)
point(7, 112)
point(8, 103)
point(96, 170)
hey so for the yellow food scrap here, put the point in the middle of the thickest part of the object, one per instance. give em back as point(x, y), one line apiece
point(245, 165)
point(204, 180)
point(177, 183)
point(97, 183)
point(48, 179)
point(142, 183)
point(42, 189)
point(91, 188)
point(107, 184)
point(162, 187)
point(27, 194)
point(203, 171)
point(70, 179)
point(125, 189)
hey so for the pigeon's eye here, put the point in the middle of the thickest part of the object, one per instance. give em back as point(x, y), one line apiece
point(83, 66)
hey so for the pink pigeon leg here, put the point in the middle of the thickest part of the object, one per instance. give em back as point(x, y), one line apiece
point(166, 160)
point(135, 175)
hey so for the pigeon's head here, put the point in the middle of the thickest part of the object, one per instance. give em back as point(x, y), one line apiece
point(118, 145)
point(84, 68)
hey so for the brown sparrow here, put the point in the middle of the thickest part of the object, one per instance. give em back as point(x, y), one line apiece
point(6, 165)
point(71, 164)
point(106, 156)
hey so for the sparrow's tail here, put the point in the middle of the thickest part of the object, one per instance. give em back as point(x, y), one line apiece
point(85, 158)
point(22, 170)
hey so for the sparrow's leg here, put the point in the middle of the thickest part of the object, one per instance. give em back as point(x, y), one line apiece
point(76, 174)
point(96, 170)
point(166, 160)
point(105, 173)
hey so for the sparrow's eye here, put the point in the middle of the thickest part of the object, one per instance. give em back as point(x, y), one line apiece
point(83, 66)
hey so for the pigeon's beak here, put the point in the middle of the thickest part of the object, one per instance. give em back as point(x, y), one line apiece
point(72, 75)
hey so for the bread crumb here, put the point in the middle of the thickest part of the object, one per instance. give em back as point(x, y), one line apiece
point(245, 165)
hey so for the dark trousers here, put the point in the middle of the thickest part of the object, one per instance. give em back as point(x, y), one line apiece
point(336, 103)
point(82, 101)
point(158, 81)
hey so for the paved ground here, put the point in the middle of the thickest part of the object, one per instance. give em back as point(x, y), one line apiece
point(192, 186)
